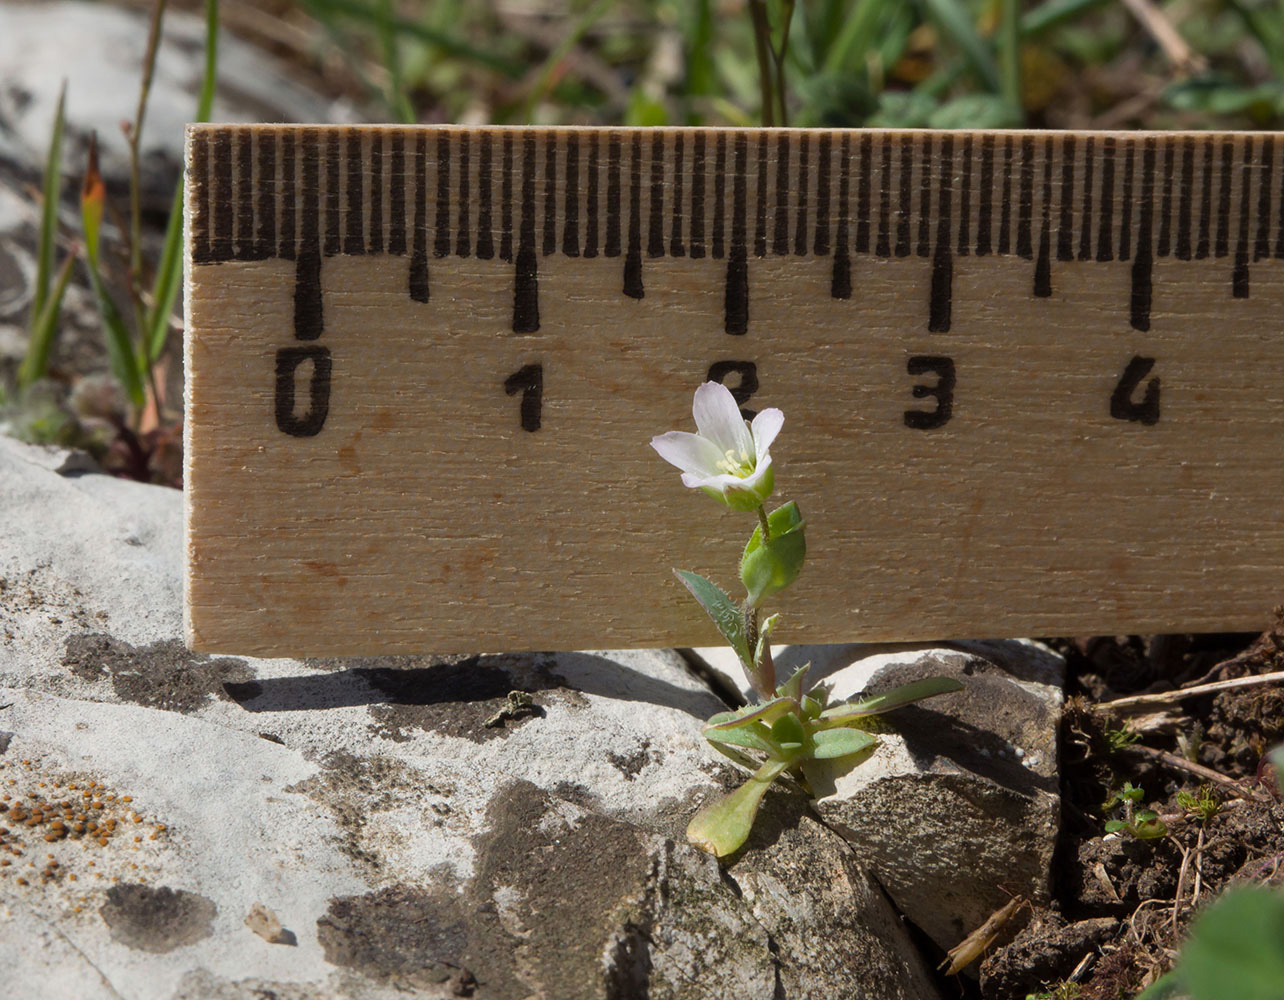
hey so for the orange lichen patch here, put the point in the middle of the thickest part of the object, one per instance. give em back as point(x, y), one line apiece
point(50, 812)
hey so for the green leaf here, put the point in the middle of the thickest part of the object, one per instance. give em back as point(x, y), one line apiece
point(754, 736)
point(721, 609)
point(1114, 825)
point(841, 743)
point(788, 731)
point(764, 638)
point(792, 688)
point(170, 269)
point(723, 825)
point(36, 361)
point(956, 24)
point(768, 568)
point(1236, 948)
point(767, 712)
point(119, 344)
point(928, 687)
point(49, 211)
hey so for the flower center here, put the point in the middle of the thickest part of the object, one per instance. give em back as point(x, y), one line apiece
point(740, 465)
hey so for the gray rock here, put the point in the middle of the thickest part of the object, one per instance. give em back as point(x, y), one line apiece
point(959, 808)
point(98, 49)
point(414, 829)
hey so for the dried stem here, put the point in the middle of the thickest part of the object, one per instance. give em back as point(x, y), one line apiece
point(1173, 697)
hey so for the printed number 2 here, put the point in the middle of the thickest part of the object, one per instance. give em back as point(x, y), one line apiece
point(529, 381)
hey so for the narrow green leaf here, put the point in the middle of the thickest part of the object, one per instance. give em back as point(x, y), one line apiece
point(119, 344)
point(36, 361)
point(793, 687)
point(768, 712)
point(928, 687)
point(723, 826)
point(956, 23)
point(170, 269)
point(719, 607)
point(841, 743)
point(49, 211)
point(1053, 12)
point(120, 349)
point(325, 11)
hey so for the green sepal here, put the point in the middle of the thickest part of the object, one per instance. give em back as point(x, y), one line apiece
point(841, 743)
point(740, 498)
point(719, 607)
point(768, 568)
point(928, 687)
point(723, 826)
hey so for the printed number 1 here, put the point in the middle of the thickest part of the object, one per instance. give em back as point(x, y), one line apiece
point(529, 381)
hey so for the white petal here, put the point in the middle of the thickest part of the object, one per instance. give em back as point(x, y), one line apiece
point(718, 418)
point(766, 425)
point(752, 480)
point(689, 452)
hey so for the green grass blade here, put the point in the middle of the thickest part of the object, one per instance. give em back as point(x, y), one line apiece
point(49, 211)
point(956, 24)
point(125, 366)
point(325, 11)
point(165, 287)
point(1053, 12)
point(698, 43)
point(1010, 57)
point(847, 53)
point(398, 103)
point(119, 346)
point(169, 271)
point(45, 326)
point(206, 102)
point(561, 51)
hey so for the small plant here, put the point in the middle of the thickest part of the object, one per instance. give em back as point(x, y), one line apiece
point(730, 460)
point(1202, 805)
point(1144, 824)
point(141, 439)
point(1121, 738)
point(1062, 991)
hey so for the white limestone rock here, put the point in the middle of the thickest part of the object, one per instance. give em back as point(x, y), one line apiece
point(415, 830)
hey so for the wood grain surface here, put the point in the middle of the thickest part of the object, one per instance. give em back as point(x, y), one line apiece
point(1032, 382)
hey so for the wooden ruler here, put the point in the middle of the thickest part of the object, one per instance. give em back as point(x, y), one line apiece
point(1033, 382)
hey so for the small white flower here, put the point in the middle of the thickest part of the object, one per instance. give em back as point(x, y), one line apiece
point(728, 458)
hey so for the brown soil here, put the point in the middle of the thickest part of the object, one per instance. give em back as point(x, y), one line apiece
point(1122, 904)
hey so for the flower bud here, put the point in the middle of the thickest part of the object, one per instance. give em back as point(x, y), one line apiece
point(768, 568)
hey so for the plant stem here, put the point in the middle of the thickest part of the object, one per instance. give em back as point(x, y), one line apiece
point(762, 42)
point(779, 57)
point(135, 136)
point(1010, 56)
point(762, 520)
